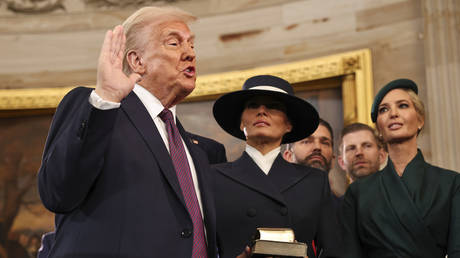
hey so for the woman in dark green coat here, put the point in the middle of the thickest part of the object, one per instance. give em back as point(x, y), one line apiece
point(410, 208)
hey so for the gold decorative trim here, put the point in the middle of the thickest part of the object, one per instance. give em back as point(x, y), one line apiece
point(42, 98)
point(354, 68)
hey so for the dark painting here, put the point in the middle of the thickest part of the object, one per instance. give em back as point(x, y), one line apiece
point(23, 218)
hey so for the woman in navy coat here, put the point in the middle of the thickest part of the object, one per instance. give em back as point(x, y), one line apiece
point(261, 189)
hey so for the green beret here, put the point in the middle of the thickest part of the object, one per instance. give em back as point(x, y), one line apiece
point(396, 84)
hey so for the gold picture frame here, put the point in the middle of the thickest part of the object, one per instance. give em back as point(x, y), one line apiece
point(352, 71)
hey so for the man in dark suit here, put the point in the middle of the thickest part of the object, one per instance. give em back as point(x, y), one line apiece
point(213, 149)
point(118, 169)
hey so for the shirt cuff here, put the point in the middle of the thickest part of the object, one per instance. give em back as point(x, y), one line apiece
point(100, 103)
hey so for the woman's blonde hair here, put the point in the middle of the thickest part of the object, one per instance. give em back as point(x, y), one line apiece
point(418, 105)
point(134, 26)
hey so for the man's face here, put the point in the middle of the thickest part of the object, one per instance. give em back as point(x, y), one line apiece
point(361, 155)
point(315, 150)
point(168, 62)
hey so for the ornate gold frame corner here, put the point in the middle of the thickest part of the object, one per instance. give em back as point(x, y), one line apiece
point(352, 71)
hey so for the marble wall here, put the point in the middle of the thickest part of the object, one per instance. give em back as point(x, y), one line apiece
point(55, 43)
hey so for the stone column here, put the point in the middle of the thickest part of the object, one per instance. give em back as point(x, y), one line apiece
point(442, 65)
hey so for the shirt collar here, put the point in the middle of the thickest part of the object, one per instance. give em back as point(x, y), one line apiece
point(264, 162)
point(151, 103)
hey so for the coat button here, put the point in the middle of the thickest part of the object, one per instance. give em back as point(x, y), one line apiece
point(284, 211)
point(251, 212)
point(186, 233)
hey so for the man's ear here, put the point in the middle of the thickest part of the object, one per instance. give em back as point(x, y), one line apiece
point(135, 62)
point(341, 163)
point(288, 155)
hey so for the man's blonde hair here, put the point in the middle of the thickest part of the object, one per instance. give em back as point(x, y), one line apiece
point(134, 26)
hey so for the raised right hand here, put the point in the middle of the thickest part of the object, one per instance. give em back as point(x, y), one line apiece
point(112, 84)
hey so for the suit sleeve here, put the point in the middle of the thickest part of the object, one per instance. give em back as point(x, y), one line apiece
point(329, 239)
point(351, 242)
point(453, 249)
point(74, 151)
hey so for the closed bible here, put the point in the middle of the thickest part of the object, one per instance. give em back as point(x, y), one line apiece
point(277, 242)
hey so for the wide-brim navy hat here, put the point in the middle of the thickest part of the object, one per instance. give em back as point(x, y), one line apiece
point(303, 116)
point(396, 84)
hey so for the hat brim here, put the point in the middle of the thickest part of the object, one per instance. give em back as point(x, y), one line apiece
point(303, 116)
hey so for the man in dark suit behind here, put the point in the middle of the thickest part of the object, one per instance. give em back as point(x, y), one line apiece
point(107, 172)
point(213, 149)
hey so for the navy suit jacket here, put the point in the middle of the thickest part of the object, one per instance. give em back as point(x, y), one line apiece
point(111, 182)
point(290, 196)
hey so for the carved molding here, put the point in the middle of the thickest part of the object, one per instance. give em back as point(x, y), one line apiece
point(295, 72)
point(34, 6)
point(357, 86)
point(122, 3)
point(42, 98)
point(47, 6)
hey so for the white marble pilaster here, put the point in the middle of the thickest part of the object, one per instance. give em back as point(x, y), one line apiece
point(442, 65)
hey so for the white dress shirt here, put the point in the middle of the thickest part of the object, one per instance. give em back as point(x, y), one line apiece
point(264, 162)
point(154, 108)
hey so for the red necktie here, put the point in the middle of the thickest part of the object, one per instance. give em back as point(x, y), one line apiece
point(179, 159)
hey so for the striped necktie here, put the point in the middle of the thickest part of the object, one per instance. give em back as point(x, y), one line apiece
point(179, 159)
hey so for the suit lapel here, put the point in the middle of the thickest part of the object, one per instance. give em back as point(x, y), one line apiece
point(246, 172)
point(200, 162)
point(199, 159)
point(421, 184)
point(139, 116)
point(284, 174)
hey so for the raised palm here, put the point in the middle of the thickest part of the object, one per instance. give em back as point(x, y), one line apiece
point(112, 83)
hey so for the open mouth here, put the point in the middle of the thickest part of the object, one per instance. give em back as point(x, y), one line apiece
point(189, 71)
